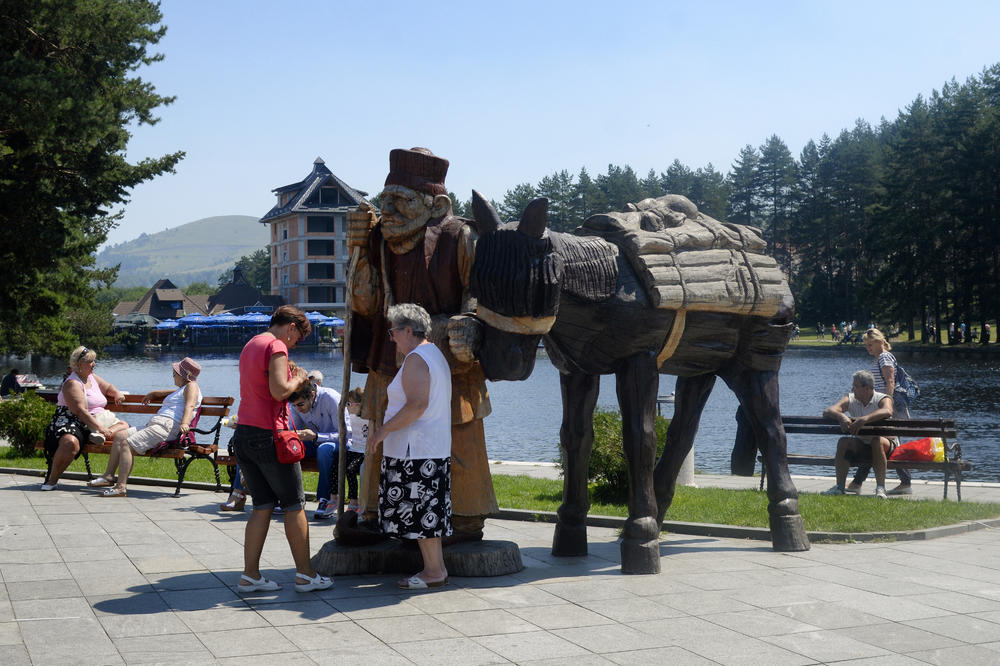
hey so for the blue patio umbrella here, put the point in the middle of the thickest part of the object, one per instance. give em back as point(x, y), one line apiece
point(254, 319)
point(331, 321)
point(315, 317)
point(167, 324)
point(194, 318)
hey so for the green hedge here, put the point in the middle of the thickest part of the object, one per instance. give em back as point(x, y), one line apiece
point(23, 420)
point(607, 468)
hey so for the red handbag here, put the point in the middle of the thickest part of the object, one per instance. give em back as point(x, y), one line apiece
point(288, 445)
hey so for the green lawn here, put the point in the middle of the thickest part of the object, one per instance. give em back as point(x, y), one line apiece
point(696, 505)
point(748, 508)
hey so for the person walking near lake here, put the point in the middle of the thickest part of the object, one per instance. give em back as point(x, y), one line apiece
point(267, 379)
point(885, 370)
point(170, 422)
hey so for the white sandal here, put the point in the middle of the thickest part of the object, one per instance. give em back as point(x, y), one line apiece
point(317, 582)
point(262, 585)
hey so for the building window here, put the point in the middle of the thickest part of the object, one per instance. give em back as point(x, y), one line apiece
point(320, 294)
point(329, 196)
point(284, 234)
point(320, 271)
point(319, 225)
point(320, 248)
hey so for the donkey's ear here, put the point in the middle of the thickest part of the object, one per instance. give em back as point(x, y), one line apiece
point(487, 220)
point(534, 218)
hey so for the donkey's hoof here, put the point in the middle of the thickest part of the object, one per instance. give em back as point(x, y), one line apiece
point(786, 507)
point(640, 556)
point(642, 529)
point(788, 534)
point(569, 540)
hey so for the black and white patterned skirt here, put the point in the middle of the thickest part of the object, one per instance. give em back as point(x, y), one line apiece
point(414, 497)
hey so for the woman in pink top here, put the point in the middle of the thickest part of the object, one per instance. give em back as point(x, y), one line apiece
point(267, 378)
point(80, 414)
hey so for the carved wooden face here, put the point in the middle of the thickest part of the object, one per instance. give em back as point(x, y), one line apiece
point(402, 206)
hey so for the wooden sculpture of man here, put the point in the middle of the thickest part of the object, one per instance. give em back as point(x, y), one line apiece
point(417, 251)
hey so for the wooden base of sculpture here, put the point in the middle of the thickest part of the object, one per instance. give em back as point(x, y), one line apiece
point(471, 558)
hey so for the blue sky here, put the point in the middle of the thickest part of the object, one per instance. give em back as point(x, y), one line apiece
point(513, 91)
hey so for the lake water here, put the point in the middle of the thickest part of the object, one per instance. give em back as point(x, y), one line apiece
point(525, 420)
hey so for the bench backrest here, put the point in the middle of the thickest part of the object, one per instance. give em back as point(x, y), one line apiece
point(902, 428)
point(132, 404)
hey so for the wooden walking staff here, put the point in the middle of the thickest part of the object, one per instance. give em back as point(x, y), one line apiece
point(363, 212)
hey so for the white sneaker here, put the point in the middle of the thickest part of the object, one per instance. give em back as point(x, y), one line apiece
point(880, 492)
point(96, 438)
point(48, 486)
point(325, 510)
point(836, 490)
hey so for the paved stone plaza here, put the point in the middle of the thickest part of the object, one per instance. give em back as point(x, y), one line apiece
point(151, 579)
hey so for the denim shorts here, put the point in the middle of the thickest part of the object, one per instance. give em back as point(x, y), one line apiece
point(269, 482)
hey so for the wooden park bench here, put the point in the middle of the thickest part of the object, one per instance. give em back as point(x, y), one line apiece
point(953, 464)
point(183, 454)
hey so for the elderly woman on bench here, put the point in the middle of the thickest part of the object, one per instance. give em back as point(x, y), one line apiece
point(81, 415)
point(172, 421)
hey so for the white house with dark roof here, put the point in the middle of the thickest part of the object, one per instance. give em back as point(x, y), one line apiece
point(309, 256)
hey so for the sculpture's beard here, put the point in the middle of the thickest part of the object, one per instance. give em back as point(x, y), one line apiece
point(403, 234)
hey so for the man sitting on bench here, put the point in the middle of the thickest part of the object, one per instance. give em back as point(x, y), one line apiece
point(859, 408)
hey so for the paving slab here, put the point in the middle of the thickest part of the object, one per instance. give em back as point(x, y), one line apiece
point(151, 579)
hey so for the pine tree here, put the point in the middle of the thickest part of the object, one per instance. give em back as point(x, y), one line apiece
point(69, 98)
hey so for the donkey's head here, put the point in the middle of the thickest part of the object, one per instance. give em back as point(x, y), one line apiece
point(515, 279)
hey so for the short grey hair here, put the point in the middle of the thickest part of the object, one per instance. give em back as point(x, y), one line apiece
point(412, 315)
point(864, 378)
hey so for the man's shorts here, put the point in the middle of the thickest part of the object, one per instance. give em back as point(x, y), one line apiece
point(159, 429)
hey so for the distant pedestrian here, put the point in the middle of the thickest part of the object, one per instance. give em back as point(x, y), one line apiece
point(10, 383)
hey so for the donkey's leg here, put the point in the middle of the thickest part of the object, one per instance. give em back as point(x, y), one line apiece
point(758, 394)
point(690, 397)
point(638, 382)
point(576, 438)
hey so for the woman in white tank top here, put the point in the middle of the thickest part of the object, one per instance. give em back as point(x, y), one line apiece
point(415, 483)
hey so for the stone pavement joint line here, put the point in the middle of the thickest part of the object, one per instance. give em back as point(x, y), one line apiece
point(151, 578)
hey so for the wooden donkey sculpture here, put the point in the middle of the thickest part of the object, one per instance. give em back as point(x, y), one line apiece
point(659, 288)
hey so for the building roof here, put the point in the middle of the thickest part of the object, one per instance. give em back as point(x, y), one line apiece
point(305, 197)
point(159, 300)
point(170, 294)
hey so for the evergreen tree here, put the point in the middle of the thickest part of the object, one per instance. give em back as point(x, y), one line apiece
point(515, 201)
point(651, 185)
point(710, 192)
point(744, 188)
point(677, 179)
point(620, 187)
point(776, 181)
point(256, 268)
point(588, 199)
point(558, 189)
point(69, 96)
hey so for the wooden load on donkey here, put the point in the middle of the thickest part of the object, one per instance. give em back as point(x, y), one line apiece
point(688, 260)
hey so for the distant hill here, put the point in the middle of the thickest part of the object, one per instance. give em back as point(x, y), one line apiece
point(194, 252)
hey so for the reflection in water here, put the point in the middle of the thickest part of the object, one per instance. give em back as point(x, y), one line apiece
point(526, 415)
